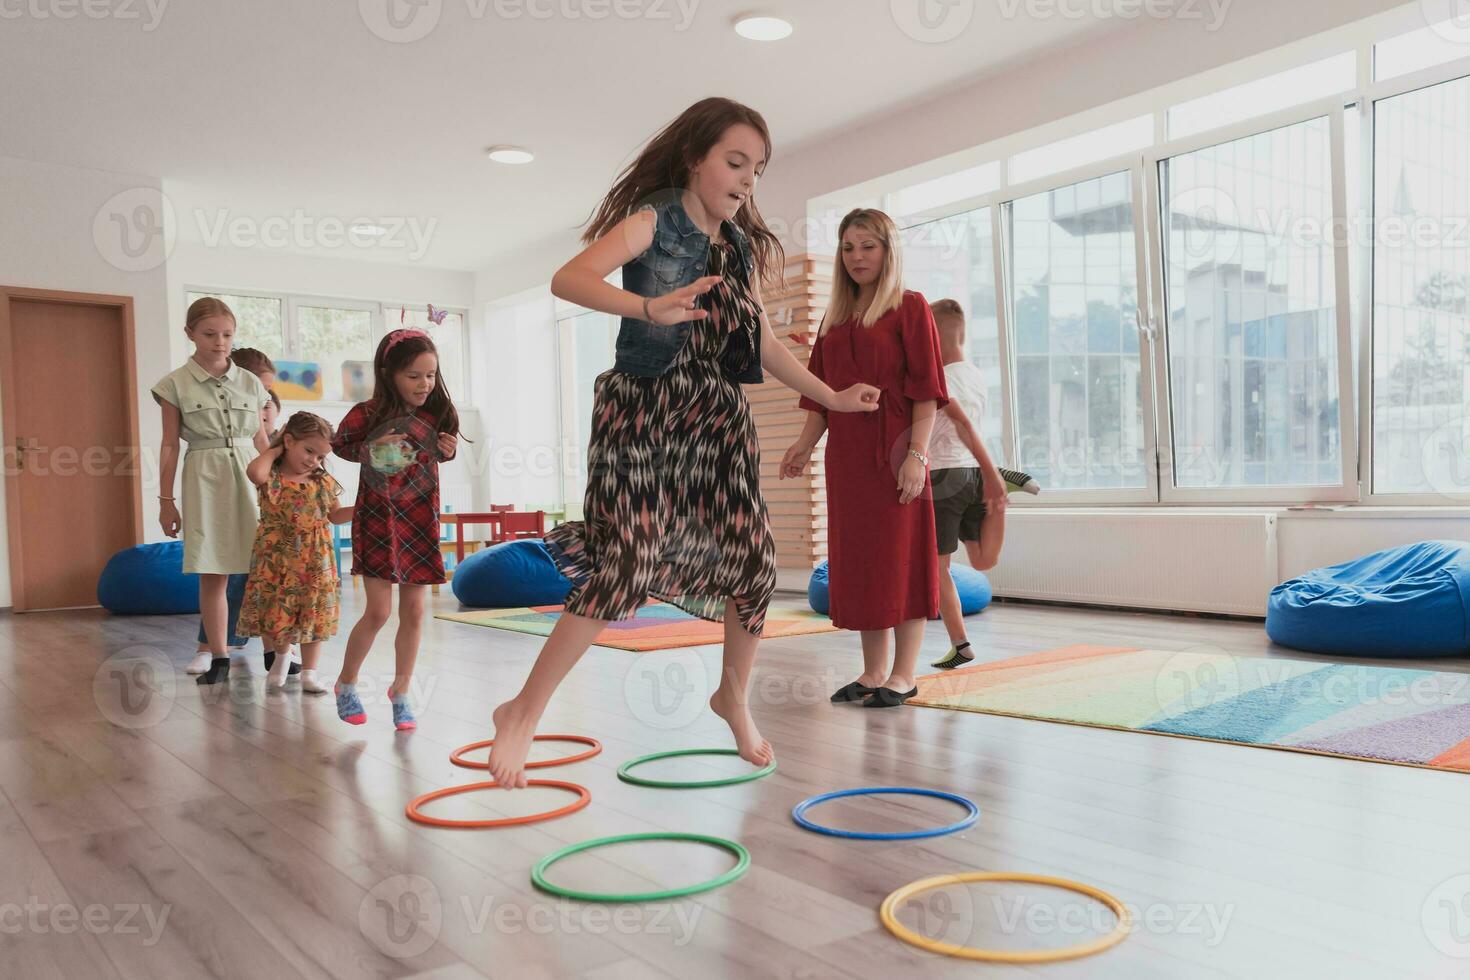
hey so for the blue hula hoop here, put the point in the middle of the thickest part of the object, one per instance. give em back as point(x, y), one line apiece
point(798, 813)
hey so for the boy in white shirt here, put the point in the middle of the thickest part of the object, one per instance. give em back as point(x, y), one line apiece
point(969, 493)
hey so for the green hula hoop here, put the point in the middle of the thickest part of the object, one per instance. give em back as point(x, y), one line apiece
point(626, 775)
point(538, 873)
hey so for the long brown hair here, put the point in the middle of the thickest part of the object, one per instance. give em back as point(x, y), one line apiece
point(662, 169)
point(396, 351)
point(302, 425)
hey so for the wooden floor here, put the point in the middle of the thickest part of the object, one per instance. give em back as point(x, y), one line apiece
point(148, 829)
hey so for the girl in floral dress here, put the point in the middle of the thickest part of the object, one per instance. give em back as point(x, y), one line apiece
point(291, 596)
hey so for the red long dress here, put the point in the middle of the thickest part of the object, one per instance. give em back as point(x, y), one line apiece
point(883, 563)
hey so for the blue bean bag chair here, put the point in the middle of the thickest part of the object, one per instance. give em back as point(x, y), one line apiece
point(973, 587)
point(512, 574)
point(1412, 601)
point(148, 580)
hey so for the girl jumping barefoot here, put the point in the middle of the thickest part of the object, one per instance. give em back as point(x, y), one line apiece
point(673, 504)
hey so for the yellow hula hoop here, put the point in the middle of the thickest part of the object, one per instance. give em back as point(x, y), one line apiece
point(891, 923)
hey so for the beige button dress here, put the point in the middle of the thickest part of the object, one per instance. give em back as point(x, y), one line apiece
point(220, 416)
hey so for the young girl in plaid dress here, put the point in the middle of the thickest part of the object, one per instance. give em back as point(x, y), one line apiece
point(398, 436)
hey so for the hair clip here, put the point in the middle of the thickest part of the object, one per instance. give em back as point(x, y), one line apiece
point(398, 336)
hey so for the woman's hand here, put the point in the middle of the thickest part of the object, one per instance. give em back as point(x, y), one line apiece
point(448, 442)
point(793, 464)
point(168, 518)
point(858, 398)
point(911, 479)
point(680, 305)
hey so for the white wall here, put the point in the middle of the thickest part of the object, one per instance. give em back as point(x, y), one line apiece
point(522, 408)
point(48, 243)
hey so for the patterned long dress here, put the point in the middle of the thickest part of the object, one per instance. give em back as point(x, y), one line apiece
point(673, 505)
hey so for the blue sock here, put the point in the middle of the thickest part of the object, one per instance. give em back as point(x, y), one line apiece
point(349, 705)
point(403, 719)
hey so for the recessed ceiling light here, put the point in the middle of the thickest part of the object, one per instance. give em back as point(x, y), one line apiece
point(511, 154)
point(762, 27)
point(372, 231)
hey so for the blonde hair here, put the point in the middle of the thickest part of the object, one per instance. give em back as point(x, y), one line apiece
point(302, 425)
point(948, 311)
point(205, 307)
point(890, 281)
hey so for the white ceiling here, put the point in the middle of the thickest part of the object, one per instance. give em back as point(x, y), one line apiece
point(296, 110)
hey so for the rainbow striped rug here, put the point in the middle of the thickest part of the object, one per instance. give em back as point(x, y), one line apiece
point(1378, 714)
point(657, 626)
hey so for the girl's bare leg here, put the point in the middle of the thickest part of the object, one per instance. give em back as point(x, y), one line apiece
point(731, 699)
point(214, 610)
point(406, 644)
point(360, 640)
point(515, 721)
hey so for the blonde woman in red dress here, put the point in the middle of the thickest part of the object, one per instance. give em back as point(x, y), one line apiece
point(883, 568)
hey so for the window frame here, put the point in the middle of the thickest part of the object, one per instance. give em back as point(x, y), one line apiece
point(1132, 164)
point(290, 335)
point(1369, 98)
point(1157, 324)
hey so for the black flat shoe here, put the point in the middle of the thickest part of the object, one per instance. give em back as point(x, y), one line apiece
point(886, 698)
point(852, 692)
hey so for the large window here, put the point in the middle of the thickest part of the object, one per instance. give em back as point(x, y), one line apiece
point(323, 348)
point(259, 320)
point(1251, 311)
point(332, 358)
point(1421, 291)
point(954, 258)
point(1073, 274)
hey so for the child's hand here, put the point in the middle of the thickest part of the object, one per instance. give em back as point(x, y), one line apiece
point(858, 398)
point(448, 442)
point(678, 306)
point(168, 517)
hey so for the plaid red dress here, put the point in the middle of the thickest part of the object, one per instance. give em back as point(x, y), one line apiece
point(395, 528)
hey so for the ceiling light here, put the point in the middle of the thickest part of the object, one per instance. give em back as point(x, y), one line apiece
point(511, 154)
point(762, 27)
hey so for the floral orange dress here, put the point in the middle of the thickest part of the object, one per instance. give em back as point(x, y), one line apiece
point(293, 585)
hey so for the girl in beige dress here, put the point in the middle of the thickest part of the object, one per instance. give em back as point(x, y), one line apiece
point(214, 406)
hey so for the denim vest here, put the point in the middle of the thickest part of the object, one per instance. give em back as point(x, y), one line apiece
point(678, 255)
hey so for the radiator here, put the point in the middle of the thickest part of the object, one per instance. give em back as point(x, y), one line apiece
point(1186, 560)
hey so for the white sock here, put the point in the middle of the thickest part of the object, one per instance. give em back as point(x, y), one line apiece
point(200, 663)
point(276, 676)
point(310, 683)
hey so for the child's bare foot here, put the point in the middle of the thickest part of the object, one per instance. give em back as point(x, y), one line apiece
point(513, 730)
point(753, 749)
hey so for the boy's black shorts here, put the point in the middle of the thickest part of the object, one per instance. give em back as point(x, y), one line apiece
point(958, 506)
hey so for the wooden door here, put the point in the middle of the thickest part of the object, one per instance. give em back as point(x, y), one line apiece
point(73, 473)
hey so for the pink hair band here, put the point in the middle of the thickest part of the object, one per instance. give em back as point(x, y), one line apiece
point(398, 336)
